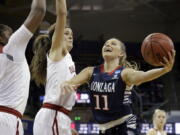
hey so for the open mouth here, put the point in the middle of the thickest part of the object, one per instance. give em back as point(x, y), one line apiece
point(107, 50)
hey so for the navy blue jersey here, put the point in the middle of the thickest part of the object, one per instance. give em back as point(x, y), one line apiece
point(107, 95)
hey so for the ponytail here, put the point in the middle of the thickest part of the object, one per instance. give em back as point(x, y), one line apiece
point(127, 64)
point(123, 60)
point(38, 67)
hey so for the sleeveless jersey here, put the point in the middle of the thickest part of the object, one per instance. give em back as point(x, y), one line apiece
point(57, 73)
point(107, 95)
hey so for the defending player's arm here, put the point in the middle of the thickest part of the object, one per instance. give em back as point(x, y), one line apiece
point(131, 76)
point(36, 15)
point(58, 42)
point(74, 132)
point(18, 41)
point(83, 77)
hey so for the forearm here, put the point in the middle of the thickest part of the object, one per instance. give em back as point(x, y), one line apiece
point(83, 77)
point(152, 74)
point(36, 15)
point(38, 9)
point(133, 77)
point(38, 5)
point(78, 80)
point(61, 8)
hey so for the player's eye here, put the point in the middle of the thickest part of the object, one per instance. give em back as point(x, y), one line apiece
point(113, 43)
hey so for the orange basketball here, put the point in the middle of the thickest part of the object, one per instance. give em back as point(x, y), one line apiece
point(155, 46)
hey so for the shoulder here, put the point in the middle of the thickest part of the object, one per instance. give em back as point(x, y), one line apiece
point(151, 132)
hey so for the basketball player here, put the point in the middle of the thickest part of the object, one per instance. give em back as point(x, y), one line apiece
point(159, 121)
point(14, 70)
point(107, 86)
point(53, 119)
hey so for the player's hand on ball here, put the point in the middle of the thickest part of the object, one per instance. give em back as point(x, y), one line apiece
point(169, 62)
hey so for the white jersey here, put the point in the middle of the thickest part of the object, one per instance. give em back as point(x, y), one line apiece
point(57, 73)
point(14, 71)
point(158, 133)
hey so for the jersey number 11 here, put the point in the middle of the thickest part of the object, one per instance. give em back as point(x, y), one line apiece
point(102, 98)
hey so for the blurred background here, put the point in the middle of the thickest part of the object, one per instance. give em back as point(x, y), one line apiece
point(93, 22)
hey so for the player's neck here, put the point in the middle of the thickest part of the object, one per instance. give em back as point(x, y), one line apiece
point(109, 66)
point(159, 128)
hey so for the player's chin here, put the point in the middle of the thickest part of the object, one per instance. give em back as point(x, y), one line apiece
point(107, 55)
point(69, 47)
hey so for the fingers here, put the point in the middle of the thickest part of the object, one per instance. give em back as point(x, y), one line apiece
point(162, 64)
point(169, 59)
point(174, 52)
point(76, 86)
point(170, 56)
point(166, 60)
point(68, 88)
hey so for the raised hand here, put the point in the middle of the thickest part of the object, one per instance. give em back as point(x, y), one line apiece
point(169, 62)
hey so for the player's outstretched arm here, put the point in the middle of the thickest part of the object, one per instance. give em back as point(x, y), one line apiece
point(36, 15)
point(133, 77)
point(83, 77)
point(74, 132)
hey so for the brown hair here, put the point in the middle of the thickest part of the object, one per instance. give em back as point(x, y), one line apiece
point(41, 47)
point(5, 33)
point(123, 60)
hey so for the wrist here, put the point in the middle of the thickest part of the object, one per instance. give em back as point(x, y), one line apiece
point(165, 70)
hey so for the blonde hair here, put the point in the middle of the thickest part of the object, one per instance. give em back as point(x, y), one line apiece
point(155, 114)
point(123, 60)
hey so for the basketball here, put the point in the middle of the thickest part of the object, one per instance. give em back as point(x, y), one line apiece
point(156, 46)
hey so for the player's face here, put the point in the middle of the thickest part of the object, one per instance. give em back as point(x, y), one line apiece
point(68, 34)
point(112, 49)
point(160, 118)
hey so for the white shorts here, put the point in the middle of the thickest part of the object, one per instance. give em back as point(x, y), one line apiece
point(9, 124)
point(43, 123)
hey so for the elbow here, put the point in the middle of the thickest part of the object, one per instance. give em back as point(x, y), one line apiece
point(62, 13)
point(39, 12)
point(142, 80)
point(42, 11)
point(138, 80)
